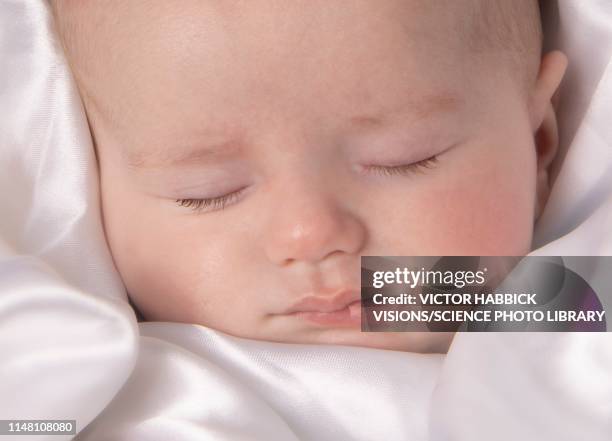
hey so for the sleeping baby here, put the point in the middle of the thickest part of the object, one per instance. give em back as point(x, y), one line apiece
point(251, 151)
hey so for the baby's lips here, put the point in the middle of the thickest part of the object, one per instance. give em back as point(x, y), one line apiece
point(355, 309)
point(326, 303)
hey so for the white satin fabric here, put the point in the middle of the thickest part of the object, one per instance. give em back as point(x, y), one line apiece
point(70, 347)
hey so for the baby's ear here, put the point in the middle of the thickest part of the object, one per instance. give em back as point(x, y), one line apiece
point(544, 120)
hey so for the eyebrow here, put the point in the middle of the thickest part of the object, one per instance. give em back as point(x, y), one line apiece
point(184, 156)
point(419, 108)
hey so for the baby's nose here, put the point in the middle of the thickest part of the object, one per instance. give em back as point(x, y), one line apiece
point(311, 225)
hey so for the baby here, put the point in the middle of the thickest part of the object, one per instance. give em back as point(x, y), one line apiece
point(251, 151)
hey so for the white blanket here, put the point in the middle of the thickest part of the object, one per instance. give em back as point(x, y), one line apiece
point(70, 347)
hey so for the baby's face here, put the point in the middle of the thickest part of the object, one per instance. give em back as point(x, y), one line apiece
point(251, 151)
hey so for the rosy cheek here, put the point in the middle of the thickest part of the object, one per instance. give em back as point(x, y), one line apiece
point(482, 220)
point(486, 209)
point(481, 205)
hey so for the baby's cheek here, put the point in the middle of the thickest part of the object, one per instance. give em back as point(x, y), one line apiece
point(174, 268)
point(484, 208)
point(153, 262)
point(483, 220)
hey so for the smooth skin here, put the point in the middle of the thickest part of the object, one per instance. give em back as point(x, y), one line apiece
point(316, 132)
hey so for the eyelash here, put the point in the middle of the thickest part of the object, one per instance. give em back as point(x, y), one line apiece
point(407, 169)
point(220, 202)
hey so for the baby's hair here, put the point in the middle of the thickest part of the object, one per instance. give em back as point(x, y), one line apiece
point(71, 31)
point(512, 28)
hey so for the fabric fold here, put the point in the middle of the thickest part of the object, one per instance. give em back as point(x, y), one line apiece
point(72, 349)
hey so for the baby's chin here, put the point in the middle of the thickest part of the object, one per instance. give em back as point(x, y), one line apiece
point(419, 342)
point(346, 335)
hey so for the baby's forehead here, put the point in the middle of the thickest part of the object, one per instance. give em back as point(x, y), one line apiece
point(135, 55)
point(481, 21)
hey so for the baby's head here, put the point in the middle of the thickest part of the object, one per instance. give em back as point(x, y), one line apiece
point(251, 151)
